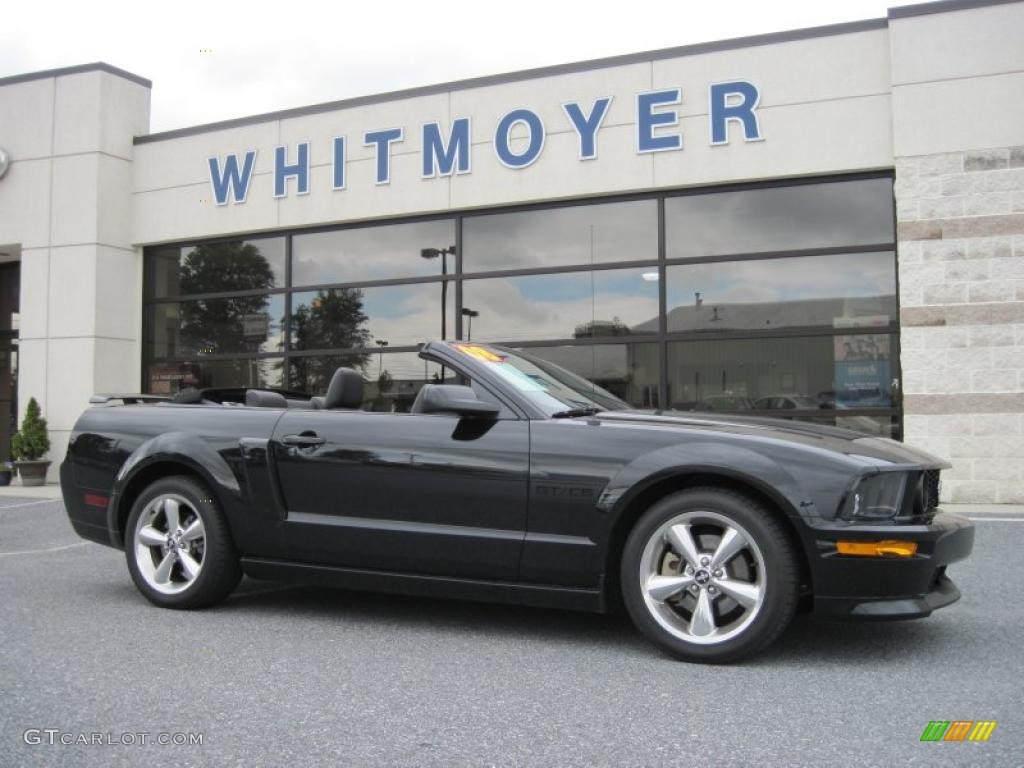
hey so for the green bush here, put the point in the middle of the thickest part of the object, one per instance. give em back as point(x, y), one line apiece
point(31, 442)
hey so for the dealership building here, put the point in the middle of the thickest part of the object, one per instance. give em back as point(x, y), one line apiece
point(825, 224)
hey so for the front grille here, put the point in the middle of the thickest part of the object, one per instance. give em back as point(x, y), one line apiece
point(929, 490)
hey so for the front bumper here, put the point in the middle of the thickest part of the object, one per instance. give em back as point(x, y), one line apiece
point(883, 588)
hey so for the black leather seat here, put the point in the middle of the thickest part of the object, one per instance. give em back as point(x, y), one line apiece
point(345, 390)
point(261, 398)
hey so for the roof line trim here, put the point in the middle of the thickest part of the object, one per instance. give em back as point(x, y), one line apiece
point(527, 74)
point(943, 6)
point(96, 66)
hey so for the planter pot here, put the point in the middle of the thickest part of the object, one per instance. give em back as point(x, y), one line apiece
point(5, 476)
point(32, 472)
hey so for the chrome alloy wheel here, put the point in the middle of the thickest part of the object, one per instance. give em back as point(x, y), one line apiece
point(170, 544)
point(702, 577)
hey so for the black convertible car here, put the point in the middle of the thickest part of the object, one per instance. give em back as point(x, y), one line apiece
point(514, 480)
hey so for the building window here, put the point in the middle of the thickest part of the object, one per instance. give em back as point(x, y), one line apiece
point(570, 305)
point(204, 327)
point(365, 254)
point(827, 379)
point(833, 291)
point(341, 318)
point(776, 219)
point(236, 265)
point(560, 237)
point(775, 300)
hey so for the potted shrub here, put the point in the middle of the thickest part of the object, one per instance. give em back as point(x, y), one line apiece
point(6, 473)
point(29, 445)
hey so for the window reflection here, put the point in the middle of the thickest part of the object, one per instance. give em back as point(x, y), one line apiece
point(237, 265)
point(580, 234)
point(340, 318)
point(847, 290)
point(171, 377)
point(824, 372)
point(216, 326)
point(628, 371)
point(617, 302)
point(391, 379)
point(371, 253)
point(775, 219)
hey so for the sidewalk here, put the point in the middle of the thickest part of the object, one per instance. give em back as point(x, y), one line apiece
point(17, 490)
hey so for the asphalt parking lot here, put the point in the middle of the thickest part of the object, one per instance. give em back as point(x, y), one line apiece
point(302, 676)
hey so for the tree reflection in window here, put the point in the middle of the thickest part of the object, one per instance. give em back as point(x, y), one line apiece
point(239, 323)
point(333, 319)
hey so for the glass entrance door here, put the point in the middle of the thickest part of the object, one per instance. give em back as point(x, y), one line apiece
point(10, 284)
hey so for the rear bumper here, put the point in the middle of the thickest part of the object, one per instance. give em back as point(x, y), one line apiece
point(88, 521)
point(875, 588)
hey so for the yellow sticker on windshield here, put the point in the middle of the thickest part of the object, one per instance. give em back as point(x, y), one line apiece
point(480, 353)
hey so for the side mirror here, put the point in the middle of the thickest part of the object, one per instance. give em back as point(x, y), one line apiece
point(454, 398)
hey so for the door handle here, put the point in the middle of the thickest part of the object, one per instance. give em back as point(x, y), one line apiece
point(304, 440)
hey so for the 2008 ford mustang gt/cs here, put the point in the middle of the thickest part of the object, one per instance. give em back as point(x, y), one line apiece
point(514, 480)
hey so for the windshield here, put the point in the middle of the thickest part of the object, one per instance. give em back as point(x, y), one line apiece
point(550, 387)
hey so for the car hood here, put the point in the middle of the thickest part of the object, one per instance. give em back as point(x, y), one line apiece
point(845, 441)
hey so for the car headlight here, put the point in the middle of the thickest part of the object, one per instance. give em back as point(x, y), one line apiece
point(876, 497)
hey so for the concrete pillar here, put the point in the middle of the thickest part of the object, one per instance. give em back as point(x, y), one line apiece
point(66, 203)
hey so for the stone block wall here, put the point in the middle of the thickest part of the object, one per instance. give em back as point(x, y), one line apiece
point(961, 271)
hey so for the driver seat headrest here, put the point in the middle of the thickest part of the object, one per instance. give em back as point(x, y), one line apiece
point(345, 390)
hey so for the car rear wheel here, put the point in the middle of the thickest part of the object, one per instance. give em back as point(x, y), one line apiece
point(178, 547)
point(709, 575)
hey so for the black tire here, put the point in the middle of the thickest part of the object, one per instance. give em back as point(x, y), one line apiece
point(220, 571)
point(780, 579)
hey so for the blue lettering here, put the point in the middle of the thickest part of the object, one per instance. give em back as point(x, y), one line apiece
point(742, 111)
point(502, 138)
point(453, 158)
point(647, 120)
point(383, 140)
point(587, 127)
point(231, 180)
point(283, 171)
point(339, 163)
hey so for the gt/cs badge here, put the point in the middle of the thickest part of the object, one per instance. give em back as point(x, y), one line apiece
point(565, 491)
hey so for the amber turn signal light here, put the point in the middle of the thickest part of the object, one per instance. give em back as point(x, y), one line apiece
point(884, 548)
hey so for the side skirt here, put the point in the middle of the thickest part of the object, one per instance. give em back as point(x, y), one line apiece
point(427, 586)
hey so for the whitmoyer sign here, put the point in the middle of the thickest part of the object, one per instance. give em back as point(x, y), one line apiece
point(447, 152)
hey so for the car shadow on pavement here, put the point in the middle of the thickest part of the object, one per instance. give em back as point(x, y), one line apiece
point(808, 640)
point(452, 616)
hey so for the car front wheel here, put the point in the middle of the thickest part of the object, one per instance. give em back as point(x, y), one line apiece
point(178, 546)
point(709, 575)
